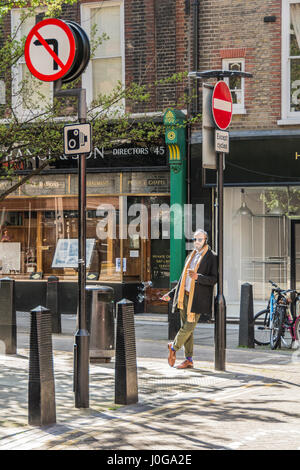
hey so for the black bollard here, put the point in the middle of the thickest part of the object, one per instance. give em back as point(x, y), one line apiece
point(101, 322)
point(173, 318)
point(41, 388)
point(246, 330)
point(52, 303)
point(126, 387)
point(8, 323)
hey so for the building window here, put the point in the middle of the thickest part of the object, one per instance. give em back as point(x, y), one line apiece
point(27, 91)
point(106, 67)
point(236, 84)
point(290, 75)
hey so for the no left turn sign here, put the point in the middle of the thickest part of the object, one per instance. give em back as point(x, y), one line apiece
point(49, 49)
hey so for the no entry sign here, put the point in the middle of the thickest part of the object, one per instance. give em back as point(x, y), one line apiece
point(50, 49)
point(222, 105)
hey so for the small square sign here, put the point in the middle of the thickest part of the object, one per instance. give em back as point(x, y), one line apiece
point(221, 141)
point(77, 139)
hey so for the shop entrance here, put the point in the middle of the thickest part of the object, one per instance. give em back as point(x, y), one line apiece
point(147, 255)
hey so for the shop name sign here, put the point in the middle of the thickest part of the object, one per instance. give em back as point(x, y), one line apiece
point(97, 157)
point(137, 151)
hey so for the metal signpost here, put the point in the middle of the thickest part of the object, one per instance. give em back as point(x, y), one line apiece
point(217, 112)
point(59, 51)
point(222, 114)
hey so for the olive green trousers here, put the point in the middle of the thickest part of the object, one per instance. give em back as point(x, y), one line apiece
point(185, 336)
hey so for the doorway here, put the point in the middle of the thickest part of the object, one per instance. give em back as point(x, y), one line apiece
point(147, 255)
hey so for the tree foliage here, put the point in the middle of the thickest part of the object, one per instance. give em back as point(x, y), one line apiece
point(53, 7)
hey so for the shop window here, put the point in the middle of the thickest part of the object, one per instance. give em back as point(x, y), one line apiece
point(236, 84)
point(256, 240)
point(126, 240)
point(106, 67)
point(41, 235)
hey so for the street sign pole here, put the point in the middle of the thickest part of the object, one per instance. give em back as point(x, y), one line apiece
point(59, 51)
point(81, 339)
point(220, 317)
point(222, 113)
point(82, 335)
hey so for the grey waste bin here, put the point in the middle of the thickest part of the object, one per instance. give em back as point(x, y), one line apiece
point(101, 322)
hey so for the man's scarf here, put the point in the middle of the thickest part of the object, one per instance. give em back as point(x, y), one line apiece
point(191, 317)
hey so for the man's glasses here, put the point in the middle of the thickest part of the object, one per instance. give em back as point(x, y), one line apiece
point(198, 239)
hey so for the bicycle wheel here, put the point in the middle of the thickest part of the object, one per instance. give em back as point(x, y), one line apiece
point(277, 327)
point(262, 328)
point(297, 329)
point(287, 337)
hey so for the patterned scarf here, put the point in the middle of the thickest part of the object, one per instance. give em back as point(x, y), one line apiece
point(191, 317)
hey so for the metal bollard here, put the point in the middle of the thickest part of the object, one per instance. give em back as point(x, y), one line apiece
point(52, 303)
point(173, 318)
point(101, 325)
point(126, 387)
point(41, 387)
point(246, 329)
point(8, 322)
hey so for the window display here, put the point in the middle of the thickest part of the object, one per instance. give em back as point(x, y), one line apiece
point(41, 219)
point(257, 239)
point(10, 256)
point(66, 253)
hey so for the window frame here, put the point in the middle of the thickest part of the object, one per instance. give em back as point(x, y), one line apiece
point(85, 10)
point(236, 108)
point(21, 112)
point(287, 117)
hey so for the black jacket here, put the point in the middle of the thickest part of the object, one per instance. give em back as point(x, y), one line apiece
point(203, 293)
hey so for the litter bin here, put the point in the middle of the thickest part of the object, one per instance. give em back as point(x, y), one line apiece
point(101, 322)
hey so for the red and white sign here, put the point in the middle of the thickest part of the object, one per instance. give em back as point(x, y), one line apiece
point(49, 49)
point(222, 105)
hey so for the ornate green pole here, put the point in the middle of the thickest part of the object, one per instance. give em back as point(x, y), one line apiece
point(175, 135)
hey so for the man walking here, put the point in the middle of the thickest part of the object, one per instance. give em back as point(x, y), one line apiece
point(193, 296)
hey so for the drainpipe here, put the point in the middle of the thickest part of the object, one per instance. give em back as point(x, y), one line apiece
point(195, 33)
point(192, 7)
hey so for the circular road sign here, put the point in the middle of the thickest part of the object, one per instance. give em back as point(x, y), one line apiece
point(222, 105)
point(50, 49)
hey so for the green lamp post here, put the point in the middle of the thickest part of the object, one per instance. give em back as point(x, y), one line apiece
point(175, 136)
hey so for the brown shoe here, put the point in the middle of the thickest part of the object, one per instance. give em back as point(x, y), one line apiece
point(172, 356)
point(186, 365)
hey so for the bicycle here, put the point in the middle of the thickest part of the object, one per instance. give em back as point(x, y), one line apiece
point(286, 326)
point(268, 329)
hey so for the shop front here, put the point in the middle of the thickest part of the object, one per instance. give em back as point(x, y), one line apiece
point(128, 241)
point(261, 213)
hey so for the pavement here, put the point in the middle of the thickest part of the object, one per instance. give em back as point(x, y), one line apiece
point(253, 405)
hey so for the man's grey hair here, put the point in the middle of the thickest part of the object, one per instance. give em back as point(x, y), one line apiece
point(200, 230)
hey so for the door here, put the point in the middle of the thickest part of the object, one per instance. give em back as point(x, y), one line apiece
point(158, 254)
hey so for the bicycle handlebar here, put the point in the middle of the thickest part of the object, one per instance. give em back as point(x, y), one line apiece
point(282, 291)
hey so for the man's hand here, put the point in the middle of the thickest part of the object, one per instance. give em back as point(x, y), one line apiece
point(192, 274)
point(165, 298)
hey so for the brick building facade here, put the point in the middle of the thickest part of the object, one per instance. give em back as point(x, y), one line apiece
point(150, 41)
point(237, 29)
point(261, 233)
point(147, 44)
